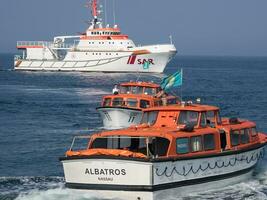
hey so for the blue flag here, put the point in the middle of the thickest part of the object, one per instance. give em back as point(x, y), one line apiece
point(173, 80)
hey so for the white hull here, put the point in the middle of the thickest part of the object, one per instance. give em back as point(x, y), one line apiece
point(117, 118)
point(118, 63)
point(168, 194)
point(157, 180)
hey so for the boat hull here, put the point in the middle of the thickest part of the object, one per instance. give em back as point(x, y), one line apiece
point(117, 117)
point(166, 177)
point(125, 63)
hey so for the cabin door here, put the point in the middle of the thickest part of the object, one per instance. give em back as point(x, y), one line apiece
point(223, 140)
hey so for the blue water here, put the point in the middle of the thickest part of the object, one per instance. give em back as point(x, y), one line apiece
point(41, 111)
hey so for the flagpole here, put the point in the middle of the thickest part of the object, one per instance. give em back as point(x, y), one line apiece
point(182, 85)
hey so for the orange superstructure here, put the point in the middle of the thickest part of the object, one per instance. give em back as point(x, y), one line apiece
point(197, 129)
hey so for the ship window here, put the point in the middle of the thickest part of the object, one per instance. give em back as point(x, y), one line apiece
point(188, 117)
point(235, 138)
point(149, 117)
point(196, 143)
point(158, 146)
point(137, 90)
point(158, 103)
point(107, 102)
point(117, 102)
point(209, 143)
point(125, 89)
point(219, 119)
point(100, 143)
point(117, 54)
point(150, 91)
point(253, 132)
point(210, 118)
point(131, 102)
point(171, 101)
point(182, 146)
point(203, 121)
point(244, 136)
point(144, 103)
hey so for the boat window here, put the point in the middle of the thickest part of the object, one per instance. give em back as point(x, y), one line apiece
point(100, 143)
point(131, 102)
point(107, 102)
point(203, 121)
point(150, 117)
point(209, 143)
point(196, 143)
point(125, 89)
point(235, 138)
point(158, 146)
point(144, 103)
point(188, 117)
point(219, 119)
point(244, 136)
point(182, 145)
point(171, 101)
point(137, 90)
point(158, 103)
point(210, 118)
point(150, 91)
point(117, 102)
point(253, 131)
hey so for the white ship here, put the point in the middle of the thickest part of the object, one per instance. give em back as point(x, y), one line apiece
point(101, 48)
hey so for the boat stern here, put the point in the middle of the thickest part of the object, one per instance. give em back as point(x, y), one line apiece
point(107, 174)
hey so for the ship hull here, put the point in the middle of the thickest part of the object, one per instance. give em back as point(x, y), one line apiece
point(158, 178)
point(117, 118)
point(125, 63)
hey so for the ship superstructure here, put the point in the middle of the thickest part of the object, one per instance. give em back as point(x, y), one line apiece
point(100, 48)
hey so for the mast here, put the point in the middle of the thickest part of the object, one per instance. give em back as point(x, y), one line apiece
point(93, 5)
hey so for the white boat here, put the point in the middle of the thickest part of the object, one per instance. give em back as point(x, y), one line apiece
point(125, 107)
point(186, 148)
point(103, 49)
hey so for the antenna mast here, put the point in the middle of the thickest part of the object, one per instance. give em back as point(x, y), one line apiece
point(114, 14)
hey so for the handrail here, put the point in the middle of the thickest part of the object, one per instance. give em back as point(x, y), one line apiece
point(115, 137)
point(45, 44)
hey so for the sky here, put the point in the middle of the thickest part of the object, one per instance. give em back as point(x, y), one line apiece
point(198, 27)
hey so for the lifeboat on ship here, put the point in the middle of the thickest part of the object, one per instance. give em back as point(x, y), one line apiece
point(125, 106)
point(176, 149)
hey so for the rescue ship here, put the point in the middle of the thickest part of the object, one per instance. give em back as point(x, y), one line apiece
point(101, 48)
point(176, 149)
point(125, 106)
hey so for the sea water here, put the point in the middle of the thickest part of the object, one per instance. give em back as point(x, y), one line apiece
point(40, 112)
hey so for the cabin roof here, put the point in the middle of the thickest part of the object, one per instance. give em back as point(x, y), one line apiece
point(165, 132)
point(134, 96)
point(178, 107)
point(143, 84)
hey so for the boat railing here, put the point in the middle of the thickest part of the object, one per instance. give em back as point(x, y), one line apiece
point(44, 44)
point(33, 43)
point(147, 140)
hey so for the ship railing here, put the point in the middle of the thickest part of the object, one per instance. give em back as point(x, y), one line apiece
point(18, 57)
point(62, 46)
point(44, 44)
point(33, 43)
point(145, 150)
